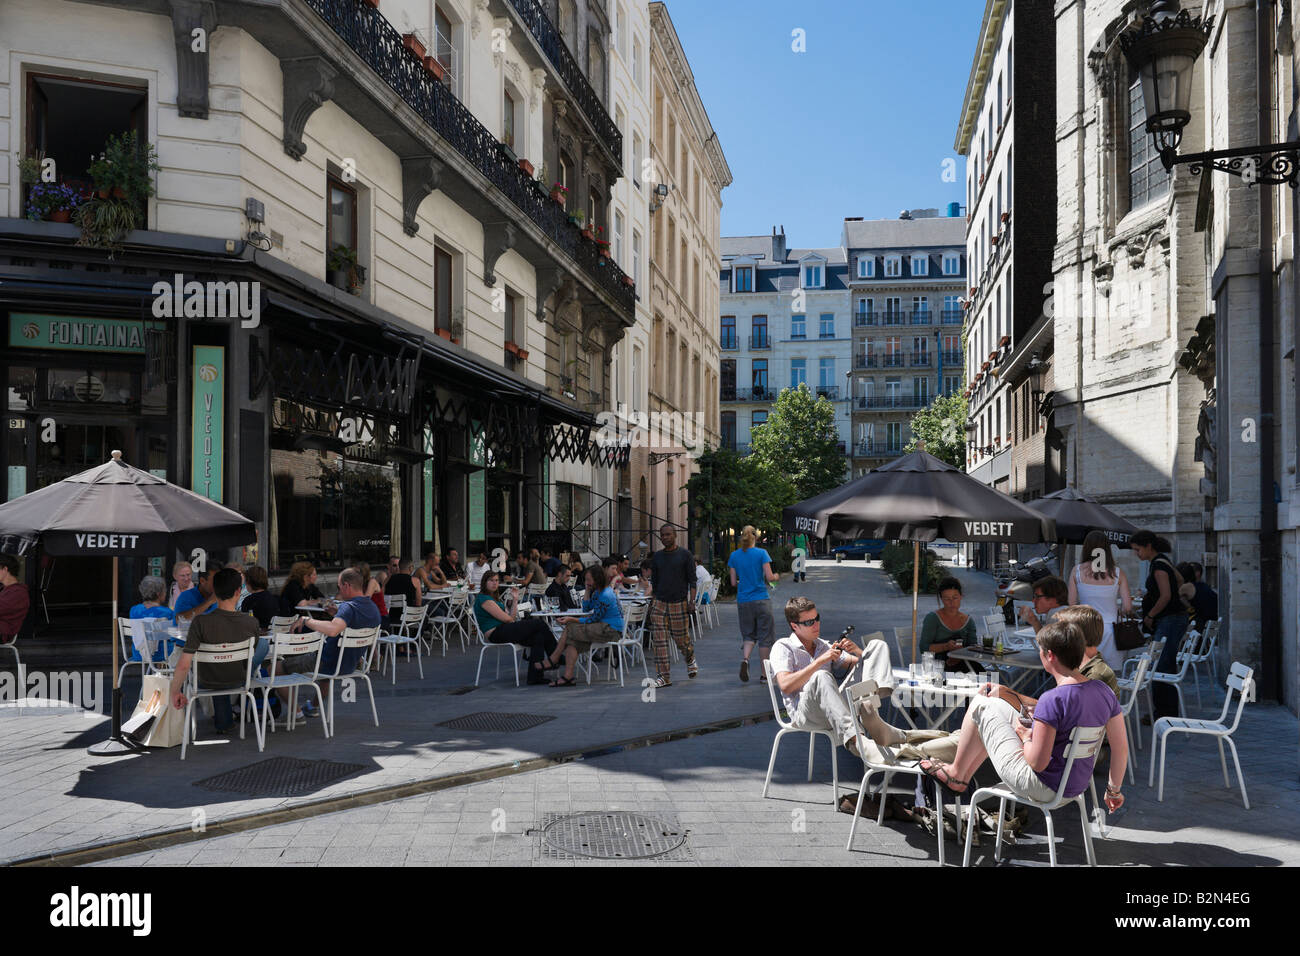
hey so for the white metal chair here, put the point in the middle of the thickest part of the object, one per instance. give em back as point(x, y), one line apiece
point(288, 644)
point(1176, 678)
point(634, 616)
point(1242, 680)
point(1084, 744)
point(713, 603)
point(1127, 682)
point(485, 646)
point(1205, 655)
point(367, 640)
point(536, 590)
point(390, 641)
point(452, 617)
point(12, 645)
point(786, 728)
point(1128, 708)
point(855, 696)
point(210, 654)
point(903, 638)
point(995, 626)
point(125, 630)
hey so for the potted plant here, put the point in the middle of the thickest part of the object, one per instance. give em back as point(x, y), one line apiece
point(342, 266)
point(559, 193)
point(54, 202)
point(105, 223)
point(124, 169)
point(415, 43)
point(627, 280)
point(373, 4)
point(995, 239)
point(527, 167)
point(1004, 341)
point(433, 66)
point(509, 154)
point(602, 244)
point(523, 355)
point(457, 325)
point(578, 217)
point(443, 334)
point(29, 168)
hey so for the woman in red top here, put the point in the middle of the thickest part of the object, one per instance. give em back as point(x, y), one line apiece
point(371, 589)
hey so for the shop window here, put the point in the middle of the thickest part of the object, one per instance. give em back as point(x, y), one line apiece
point(71, 120)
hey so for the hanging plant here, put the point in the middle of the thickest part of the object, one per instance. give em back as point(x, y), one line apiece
point(105, 223)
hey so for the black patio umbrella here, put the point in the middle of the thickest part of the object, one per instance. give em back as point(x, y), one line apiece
point(1075, 515)
point(919, 498)
point(114, 510)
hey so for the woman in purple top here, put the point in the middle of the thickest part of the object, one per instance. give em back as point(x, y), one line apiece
point(1031, 759)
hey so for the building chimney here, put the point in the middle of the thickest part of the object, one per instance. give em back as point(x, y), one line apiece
point(778, 245)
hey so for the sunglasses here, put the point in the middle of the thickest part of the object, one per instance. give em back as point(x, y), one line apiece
point(810, 622)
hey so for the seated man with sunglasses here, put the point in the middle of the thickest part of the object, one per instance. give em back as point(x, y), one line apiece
point(801, 667)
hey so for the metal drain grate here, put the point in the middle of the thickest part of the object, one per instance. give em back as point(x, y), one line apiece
point(491, 722)
point(280, 777)
point(613, 835)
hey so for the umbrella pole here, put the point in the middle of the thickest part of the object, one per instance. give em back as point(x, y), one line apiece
point(116, 744)
point(916, 584)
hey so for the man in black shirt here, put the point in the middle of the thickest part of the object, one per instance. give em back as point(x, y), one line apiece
point(451, 566)
point(672, 575)
point(559, 589)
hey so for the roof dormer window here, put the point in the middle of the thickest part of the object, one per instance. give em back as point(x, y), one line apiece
point(812, 276)
point(866, 267)
point(920, 265)
point(893, 267)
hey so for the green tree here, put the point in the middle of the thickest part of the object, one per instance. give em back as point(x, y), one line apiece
point(942, 426)
point(729, 492)
point(800, 442)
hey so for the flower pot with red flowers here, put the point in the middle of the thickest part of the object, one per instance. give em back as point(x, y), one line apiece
point(588, 233)
point(559, 193)
point(415, 43)
point(1004, 341)
point(973, 290)
point(995, 239)
point(527, 167)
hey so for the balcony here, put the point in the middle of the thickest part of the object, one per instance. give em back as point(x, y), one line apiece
point(953, 317)
point(866, 361)
point(759, 342)
point(760, 393)
point(892, 318)
point(862, 320)
point(473, 160)
point(920, 360)
point(797, 336)
point(869, 449)
point(727, 343)
point(892, 361)
point(950, 359)
point(552, 44)
point(727, 395)
point(897, 400)
point(921, 317)
point(831, 392)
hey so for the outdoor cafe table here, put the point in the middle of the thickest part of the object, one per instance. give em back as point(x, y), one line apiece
point(1027, 661)
point(955, 692)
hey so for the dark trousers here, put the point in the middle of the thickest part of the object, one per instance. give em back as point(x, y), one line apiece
point(1172, 627)
point(531, 632)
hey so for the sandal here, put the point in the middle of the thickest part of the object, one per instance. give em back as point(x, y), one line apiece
point(663, 681)
point(563, 682)
point(949, 782)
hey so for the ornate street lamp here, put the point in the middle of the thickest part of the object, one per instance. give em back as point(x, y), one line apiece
point(1162, 50)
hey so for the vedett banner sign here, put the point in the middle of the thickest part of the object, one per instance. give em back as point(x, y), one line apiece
point(810, 525)
point(207, 421)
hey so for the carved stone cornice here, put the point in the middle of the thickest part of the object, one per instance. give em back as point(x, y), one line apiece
point(497, 238)
point(308, 82)
point(421, 175)
point(189, 16)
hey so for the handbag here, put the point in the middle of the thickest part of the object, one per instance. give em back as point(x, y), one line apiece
point(155, 722)
point(1128, 634)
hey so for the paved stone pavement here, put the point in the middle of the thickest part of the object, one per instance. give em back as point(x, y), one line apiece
point(54, 797)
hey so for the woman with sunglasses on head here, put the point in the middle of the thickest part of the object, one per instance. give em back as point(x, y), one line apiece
point(1100, 583)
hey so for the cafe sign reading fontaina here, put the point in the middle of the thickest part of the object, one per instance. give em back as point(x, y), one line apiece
point(30, 330)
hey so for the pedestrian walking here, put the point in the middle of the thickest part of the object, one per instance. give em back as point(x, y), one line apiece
point(672, 577)
point(750, 568)
point(801, 541)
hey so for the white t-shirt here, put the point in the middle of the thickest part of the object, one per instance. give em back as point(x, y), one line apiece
point(476, 572)
point(789, 656)
point(702, 577)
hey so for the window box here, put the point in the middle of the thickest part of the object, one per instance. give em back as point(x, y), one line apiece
point(995, 239)
point(974, 289)
point(628, 281)
point(588, 233)
point(1004, 341)
point(373, 4)
point(414, 43)
point(1006, 217)
point(527, 167)
point(559, 193)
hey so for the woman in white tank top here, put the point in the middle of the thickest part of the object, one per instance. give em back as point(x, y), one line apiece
point(1100, 583)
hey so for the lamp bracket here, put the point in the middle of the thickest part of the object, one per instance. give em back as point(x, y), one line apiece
point(1274, 164)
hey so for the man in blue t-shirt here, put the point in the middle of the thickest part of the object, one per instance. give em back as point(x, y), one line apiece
point(750, 568)
point(200, 599)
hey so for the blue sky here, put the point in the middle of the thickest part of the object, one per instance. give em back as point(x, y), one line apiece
point(858, 125)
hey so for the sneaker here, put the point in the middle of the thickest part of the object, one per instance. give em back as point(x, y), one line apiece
point(692, 668)
point(744, 671)
point(310, 710)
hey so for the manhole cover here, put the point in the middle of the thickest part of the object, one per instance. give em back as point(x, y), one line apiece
point(613, 835)
point(280, 776)
point(490, 722)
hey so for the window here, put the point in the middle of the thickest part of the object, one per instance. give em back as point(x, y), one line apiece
point(951, 304)
point(443, 291)
point(921, 348)
point(759, 339)
point(812, 277)
point(695, 284)
point(893, 267)
point(620, 30)
point(595, 212)
point(798, 372)
point(866, 267)
point(444, 50)
point(566, 177)
point(759, 379)
point(513, 328)
point(951, 263)
point(728, 378)
point(636, 256)
point(636, 62)
point(826, 372)
point(951, 384)
point(865, 306)
point(637, 157)
point(826, 328)
point(798, 327)
point(341, 224)
point(920, 265)
point(596, 64)
point(1147, 177)
point(894, 436)
point(893, 310)
point(744, 277)
point(757, 417)
point(618, 238)
point(727, 338)
point(729, 430)
point(921, 305)
point(508, 119)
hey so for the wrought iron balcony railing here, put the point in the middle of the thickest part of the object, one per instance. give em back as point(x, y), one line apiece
point(376, 41)
point(831, 392)
point(951, 359)
point(921, 316)
point(727, 343)
point(866, 361)
point(892, 361)
point(862, 320)
point(953, 317)
point(899, 400)
point(760, 342)
point(869, 449)
point(920, 359)
point(548, 37)
point(891, 318)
